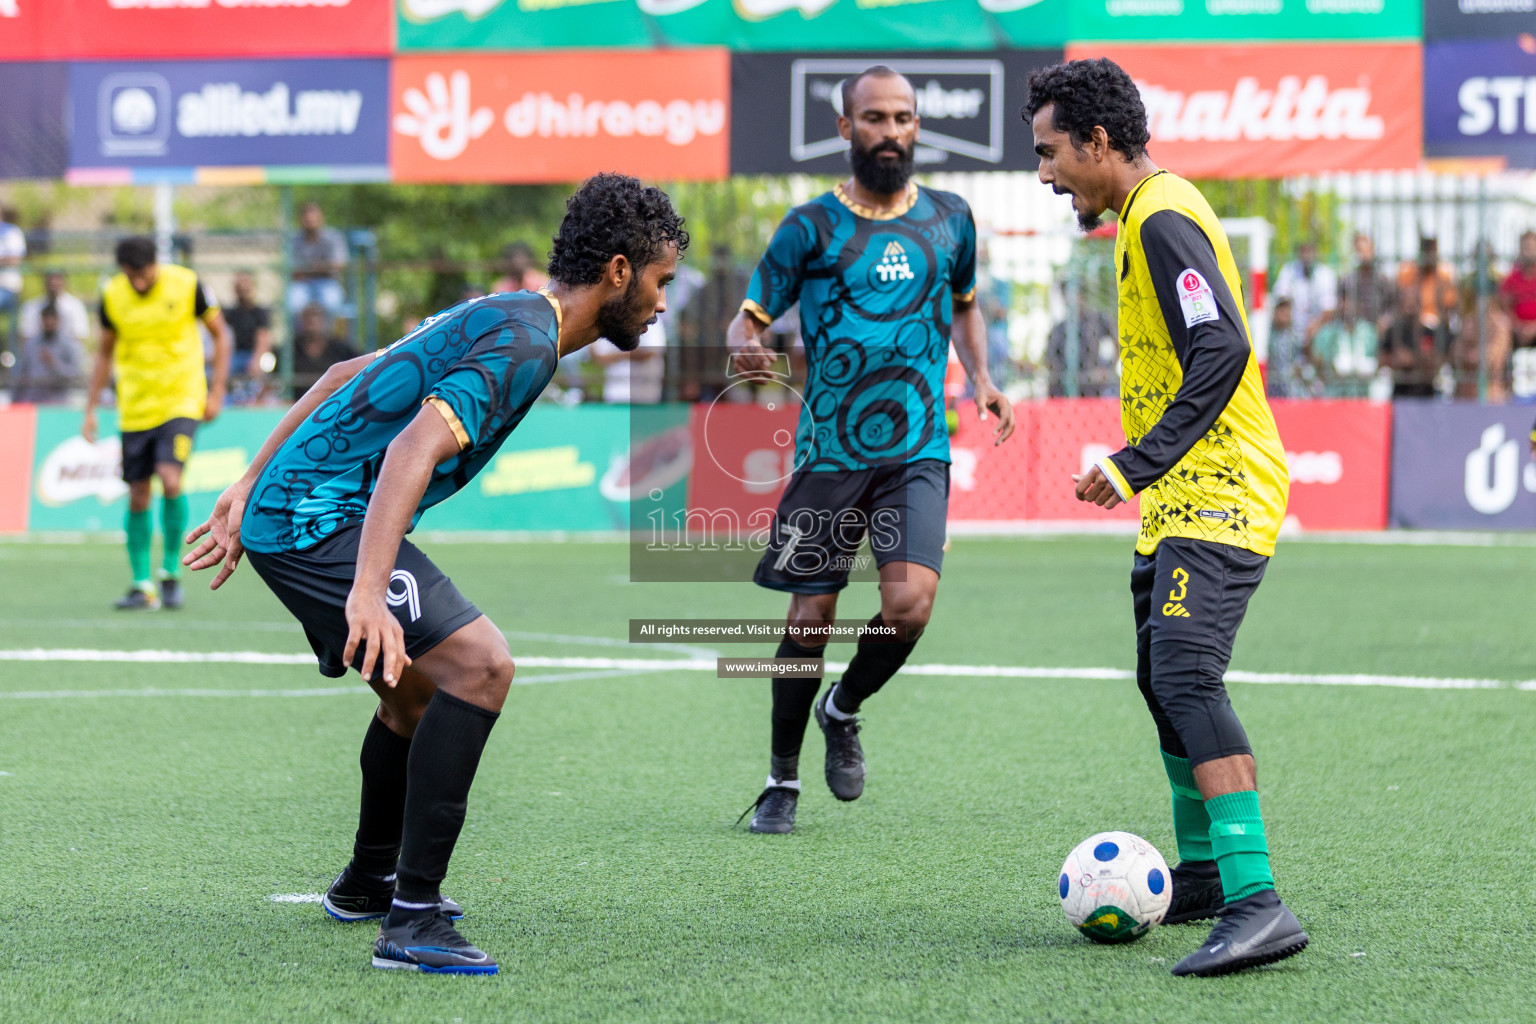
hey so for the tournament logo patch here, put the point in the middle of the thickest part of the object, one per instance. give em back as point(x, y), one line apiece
point(1196, 299)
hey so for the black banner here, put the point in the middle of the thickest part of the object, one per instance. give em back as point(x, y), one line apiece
point(784, 109)
point(1459, 19)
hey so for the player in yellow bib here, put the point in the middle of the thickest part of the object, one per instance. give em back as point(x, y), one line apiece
point(1203, 453)
point(149, 336)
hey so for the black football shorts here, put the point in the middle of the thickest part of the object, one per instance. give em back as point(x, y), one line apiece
point(825, 516)
point(143, 450)
point(314, 583)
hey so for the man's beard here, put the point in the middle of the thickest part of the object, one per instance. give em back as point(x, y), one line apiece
point(879, 176)
point(1090, 222)
point(619, 318)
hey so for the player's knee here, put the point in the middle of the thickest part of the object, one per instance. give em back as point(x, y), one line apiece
point(495, 676)
point(908, 608)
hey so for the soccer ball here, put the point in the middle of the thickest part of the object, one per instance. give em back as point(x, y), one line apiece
point(1115, 887)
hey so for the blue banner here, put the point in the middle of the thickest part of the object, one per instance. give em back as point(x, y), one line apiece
point(229, 113)
point(1480, 99)
point(1462, 466)
point(32, 143)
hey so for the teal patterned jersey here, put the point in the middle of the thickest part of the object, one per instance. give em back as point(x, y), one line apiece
point(875, 293)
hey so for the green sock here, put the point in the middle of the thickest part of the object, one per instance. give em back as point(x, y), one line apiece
point(1237, 836)
point(1191, 823)
point(173, 524)
point(140, 532)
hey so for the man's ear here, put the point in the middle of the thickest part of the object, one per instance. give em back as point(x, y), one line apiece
point(1099, 141)
point(618, 271)
point(844, 127)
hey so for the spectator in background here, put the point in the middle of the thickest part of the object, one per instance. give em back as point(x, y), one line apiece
point(315, 350)
point(1098, 349)
point(1367, 302)
point(1480, 353)
point(633, 378)
point(74, 318)
point(1409, 350)
point(251, 325)
point(518, 273)
point(13, 249)
point(1428, 295)
point(1313, 289)
point(50, 360)
point(1517, 293)
point(1292, 366)
point(319, 260)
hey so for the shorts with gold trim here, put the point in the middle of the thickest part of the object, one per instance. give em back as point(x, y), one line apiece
point(143, 450)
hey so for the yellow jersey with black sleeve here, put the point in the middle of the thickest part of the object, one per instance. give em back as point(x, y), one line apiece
point(1202, 450)
point(158, 357)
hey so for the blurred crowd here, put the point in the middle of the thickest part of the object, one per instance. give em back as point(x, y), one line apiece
point(1363, 328)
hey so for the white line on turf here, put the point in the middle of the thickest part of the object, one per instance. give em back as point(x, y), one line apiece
point(295, 897)
point(600, 667)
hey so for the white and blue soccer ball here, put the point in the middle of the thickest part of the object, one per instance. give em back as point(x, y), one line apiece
point(1115, 887)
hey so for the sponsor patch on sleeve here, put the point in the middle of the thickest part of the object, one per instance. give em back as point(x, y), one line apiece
point(1196, 299)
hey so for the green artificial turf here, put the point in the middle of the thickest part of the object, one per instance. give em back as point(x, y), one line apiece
point(141, 837)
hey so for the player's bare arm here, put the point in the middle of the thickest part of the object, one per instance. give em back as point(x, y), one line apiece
point(101, 373)
point(221, 531)
point(223, 347)
point(744, 339)
point(403, 478)
point(969, 335)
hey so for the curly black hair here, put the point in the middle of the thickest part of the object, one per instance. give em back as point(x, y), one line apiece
point(1089, 93)
point(612, 215)
point(135, 252)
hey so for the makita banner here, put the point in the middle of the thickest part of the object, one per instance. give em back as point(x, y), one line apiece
point(558, 117)
point(1480, 98)
point(737, 24)
point(1489, 19)
point(787, 105)
point(1266, 111)
point(72, 29)
point(32, 118)
point(229, 113)
point(1461, 466)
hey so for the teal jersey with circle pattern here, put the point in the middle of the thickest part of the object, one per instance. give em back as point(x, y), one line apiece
point(481, 364)
point(876, 292)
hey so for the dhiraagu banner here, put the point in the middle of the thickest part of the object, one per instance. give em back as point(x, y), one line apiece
point(1253, 20)
point(738, 24)
point(565, 469)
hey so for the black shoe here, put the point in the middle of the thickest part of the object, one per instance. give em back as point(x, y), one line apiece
point(845, 758)
point(775, 809)
point(170, 594)
point(432, 944)
point(1197, 892)
point(359, 898)
point(137, 600)
point(1254, 931)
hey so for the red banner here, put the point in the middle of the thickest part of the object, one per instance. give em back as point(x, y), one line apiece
point(743, 455)
point(18, 434)
point(557, 117)
point(1338, 453)
point(1265, 110)
point(33, 29)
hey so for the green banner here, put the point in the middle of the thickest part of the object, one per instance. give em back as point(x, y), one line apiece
point(1255, 20)
point(566, 469)
point(738, 24)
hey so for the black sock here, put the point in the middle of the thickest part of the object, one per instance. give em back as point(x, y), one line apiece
point(382, 815)
point(877, 659)
point(792, 700)
point(444, 755)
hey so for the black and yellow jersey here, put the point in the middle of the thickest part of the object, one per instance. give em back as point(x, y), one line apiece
point(159, 352)
point(1203, 450)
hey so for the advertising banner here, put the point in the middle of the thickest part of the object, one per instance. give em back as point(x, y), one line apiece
point(32, 118)
point(1455, 19)
point(1480, 98)
point(558, 117)
point(787, 105)
point(1270, 111)
point(1462, 466)
point(18, 431)
point(72, 29)
point(1202, 20)
point(738, 24)
point(1338, 455)
point(229, 113)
